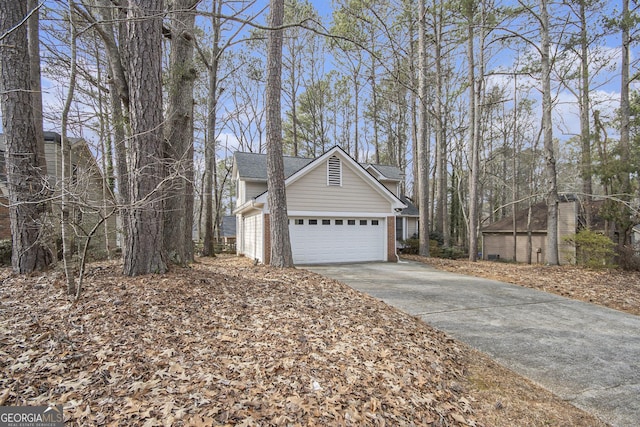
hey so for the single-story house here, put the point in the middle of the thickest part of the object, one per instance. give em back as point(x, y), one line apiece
point(339, 210)
point(498, 237)
point(90, 199)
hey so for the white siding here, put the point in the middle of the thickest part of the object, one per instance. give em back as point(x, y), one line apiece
point(252, 237)
point(311, 193)
point(391, 186)
point(254, 189)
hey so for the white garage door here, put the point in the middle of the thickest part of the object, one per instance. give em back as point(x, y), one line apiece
point(326, 240)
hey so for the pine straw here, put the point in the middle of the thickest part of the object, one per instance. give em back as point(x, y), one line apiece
point(229, 343)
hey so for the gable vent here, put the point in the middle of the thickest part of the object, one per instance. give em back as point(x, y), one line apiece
point(334, 171)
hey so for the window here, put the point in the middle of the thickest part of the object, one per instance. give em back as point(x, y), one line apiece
point(374, 222)
point(334, 172)
point(363, 222)
point(351, 222)
point(338, 222)
point(299, 221)
point(399, 228)
point(326, 222)
point(313, 222)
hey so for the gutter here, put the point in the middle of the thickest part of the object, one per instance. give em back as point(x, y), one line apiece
point(249, 205)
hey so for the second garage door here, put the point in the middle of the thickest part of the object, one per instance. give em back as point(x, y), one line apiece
point(330, 240)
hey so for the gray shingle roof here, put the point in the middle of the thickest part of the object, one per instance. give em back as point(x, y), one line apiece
point(389, 172)
point(253, 166)
point(411, 209)
point(228, 226)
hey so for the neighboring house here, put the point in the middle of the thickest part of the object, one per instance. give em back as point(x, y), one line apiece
point(407, 222)
point(91, 199)
point(228, 233)
point(635, 237)
point(339, 210)
point(498, 237)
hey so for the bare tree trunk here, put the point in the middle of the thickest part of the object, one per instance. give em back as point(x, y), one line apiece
point(210, 143)
point(585, 129)
point(473, 136)
point(144, 243)
point(440, 173)
point(423, 140)
point(34, 56)
point(514, 175)
point(178, 151)
point(24, 173)
point(119, 100)
point(110, 13)
point(106, 146)
point(281, 255)
point(65, 205)
point(625, 113)
point(547, 128)
point(356, 102)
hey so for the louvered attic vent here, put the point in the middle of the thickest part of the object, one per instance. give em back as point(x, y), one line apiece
point(334, 171)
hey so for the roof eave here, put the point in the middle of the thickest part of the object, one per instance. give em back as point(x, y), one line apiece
point(248, 206)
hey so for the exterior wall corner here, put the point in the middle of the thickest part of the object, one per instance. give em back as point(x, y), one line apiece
point(391, 239)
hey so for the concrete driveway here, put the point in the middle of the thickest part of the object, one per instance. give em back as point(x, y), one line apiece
point(583, 353)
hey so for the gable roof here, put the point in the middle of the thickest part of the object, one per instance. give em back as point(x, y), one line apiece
point(253, 167)
point(254, 172)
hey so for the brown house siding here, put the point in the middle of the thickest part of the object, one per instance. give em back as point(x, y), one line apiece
point(498, 237)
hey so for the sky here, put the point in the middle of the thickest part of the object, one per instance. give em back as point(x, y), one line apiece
point(606, 93)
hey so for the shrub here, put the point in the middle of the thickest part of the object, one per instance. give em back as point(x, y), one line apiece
point(628, 258)
point(5, 252)
point(412, 247)
point(592, 249)
point(452, 253)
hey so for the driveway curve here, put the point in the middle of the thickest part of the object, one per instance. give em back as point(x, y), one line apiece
point(583, 353)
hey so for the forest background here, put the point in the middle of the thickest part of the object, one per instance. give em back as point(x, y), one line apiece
point(352, 76)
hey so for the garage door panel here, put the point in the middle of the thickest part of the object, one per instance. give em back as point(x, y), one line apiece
point(325, 243)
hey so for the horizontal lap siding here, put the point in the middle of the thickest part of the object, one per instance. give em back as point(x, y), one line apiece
point(252, 235)
point(253, 189)
point(311, 193)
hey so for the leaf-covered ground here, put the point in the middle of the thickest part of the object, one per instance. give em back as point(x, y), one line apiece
point(611, 288)
point(229, 343)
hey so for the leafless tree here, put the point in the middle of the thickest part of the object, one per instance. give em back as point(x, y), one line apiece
point(144, 246)
point(23, 165)
point(281, 255)
point(178, 151)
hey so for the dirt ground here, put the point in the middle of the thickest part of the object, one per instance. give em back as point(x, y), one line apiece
point(229, 343)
